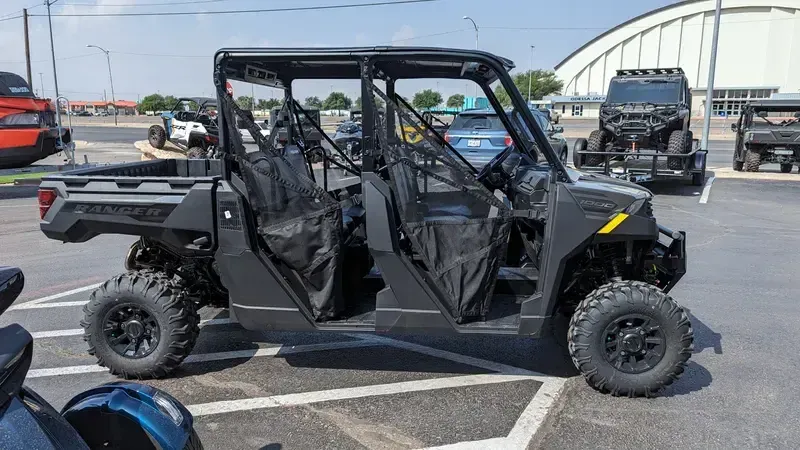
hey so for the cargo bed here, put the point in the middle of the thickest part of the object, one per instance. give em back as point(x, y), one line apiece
point(169, 200)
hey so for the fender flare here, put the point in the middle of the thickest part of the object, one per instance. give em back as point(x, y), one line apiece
point(123, 412)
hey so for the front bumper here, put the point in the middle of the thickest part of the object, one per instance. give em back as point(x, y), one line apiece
point(21, 147)
point(670, 259)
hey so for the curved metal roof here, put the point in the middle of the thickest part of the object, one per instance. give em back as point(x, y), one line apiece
point(624, 24)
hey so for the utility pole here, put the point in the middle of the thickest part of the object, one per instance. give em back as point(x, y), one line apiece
point(27, 46)
point(41, 80)
point(55, 74)
point(712, 65)
point(530, 75)
point(110, 79)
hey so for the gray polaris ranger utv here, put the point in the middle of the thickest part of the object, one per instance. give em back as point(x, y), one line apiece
point(419, 242)
point(768, 132)
point(645, 117)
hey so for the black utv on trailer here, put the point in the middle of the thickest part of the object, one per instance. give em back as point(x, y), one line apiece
point(768, 132)
point(410, 247)
point(646, 114)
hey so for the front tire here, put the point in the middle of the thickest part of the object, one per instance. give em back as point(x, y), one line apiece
point(786, 168)
point(680, 143)
point(629, 338)
point(157, 136)
point(139, 325)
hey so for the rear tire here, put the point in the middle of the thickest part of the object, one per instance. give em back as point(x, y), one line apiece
point(196, 153)
point(597, 143)
point(157, 136)
point(737, 165)
point(752, 161)
point(786, 168)
point(629, 338)
point(579, 160)
point(128, 310)
point(680, 143)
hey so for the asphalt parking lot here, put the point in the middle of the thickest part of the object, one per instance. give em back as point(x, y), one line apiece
point(294, 390)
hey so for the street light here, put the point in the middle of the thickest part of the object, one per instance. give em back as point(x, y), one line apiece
point(476, 48)
point(530, 76)
point(113, 98)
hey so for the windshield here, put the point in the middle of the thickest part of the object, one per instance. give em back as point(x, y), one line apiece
point(644, 90)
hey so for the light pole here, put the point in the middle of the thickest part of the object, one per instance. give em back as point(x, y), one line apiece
point(476, 48)
point(710, 85)
point(113, 98)
point(55, 75)
point(41, 81)
point(530, 76)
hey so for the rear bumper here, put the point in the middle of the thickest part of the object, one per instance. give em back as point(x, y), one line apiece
point(21, 147)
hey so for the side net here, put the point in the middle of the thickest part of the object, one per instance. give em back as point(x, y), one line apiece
point(455, 224)
point(300, 223)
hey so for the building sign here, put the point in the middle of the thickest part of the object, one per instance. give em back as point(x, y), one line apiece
point(594, 98)
point(577, 99)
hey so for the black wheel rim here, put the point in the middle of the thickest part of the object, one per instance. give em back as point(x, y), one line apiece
point(131, 331)
point(634, 343)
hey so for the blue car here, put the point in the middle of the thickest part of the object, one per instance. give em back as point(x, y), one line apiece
point(479, 134)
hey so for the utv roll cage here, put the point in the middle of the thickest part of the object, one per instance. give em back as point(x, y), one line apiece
point(316, 249)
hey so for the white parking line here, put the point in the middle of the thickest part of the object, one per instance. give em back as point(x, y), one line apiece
point(208, 357)
point(79, 331)
point(28, 305)
point(32, 304)
point(706, 190)
point(304, 398)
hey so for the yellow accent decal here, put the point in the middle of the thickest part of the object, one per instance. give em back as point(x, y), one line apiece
point(613, 223)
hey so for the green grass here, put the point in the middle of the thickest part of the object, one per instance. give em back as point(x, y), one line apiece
point(4, 179)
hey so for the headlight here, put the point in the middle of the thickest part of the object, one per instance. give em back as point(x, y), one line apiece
point(20, 119)
point(637, 205)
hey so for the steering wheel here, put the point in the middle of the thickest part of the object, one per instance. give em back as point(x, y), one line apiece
point(495, 163)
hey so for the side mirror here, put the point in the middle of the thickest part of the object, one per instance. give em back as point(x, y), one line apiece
point(558, 129)
point(734, 127)
point(11, 283)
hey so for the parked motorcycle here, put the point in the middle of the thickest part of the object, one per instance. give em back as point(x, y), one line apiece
point(118, 415)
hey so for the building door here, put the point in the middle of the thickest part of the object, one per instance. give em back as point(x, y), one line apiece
point(577, 110)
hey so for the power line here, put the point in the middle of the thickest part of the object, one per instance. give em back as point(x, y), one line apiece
point(11, 18)
point(128, 5)
point(35, 5)
point(428, 35)
point(241, 11)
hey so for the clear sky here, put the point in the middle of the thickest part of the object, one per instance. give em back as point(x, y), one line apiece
point(507, 28)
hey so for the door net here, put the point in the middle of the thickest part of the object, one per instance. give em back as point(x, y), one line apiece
point(300, 223)
point(455, 224)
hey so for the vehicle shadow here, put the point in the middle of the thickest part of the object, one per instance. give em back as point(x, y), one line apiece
point(680, 188)
point(705, 337)
point(11, 192)
point(274, 446)
point(694, 379)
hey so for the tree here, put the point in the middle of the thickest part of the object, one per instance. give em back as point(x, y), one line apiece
point(378, 102)
point(314, 101)
point(169, 102)
point(268, 104)
point(245, 102)
point(152, 102)
point(427, 99)
point(543, 82)
point(337, 100)
point(455, 101)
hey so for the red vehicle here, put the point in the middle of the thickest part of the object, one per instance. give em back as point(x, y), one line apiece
point(28, 130)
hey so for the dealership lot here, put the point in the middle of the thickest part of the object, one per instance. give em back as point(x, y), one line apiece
point(297, 390)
